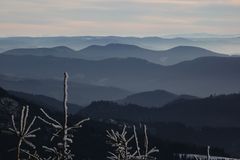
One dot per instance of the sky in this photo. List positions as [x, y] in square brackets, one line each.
[118, 17]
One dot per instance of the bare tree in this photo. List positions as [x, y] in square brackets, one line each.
[208, 152]
[146, 155]
[62, 151]
[122, 150]
[120, 143]
[24, 132]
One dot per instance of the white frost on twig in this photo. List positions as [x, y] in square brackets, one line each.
[62, 129]
[24, 131]
[122, 150]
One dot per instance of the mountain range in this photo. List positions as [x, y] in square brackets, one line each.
[96, 52]
[81, 94]
[185, 89]
[228, 45]
[156, 98]
[42, 90]
[213, 111]
[92, 136]
[199, 77]
[47, 102]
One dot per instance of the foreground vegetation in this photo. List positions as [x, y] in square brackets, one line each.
[64, 132]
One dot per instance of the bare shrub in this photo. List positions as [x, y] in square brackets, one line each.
[122, 149]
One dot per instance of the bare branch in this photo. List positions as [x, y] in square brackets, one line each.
[136, 141]
[62, 151]
[22, 133]
[122, 150]
[50, 118]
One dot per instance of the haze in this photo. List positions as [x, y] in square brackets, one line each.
[118, 17]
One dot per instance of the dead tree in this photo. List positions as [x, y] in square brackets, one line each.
[208, 152]
[62, 151]
[23, 132]
[122, 149]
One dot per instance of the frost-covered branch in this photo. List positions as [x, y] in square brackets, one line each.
[120, 143]
[122, 150]
[65, 126]
[33, 156]
[56, 154]
[208, 152]
[146, 144]
[62, 151]
[24, 131]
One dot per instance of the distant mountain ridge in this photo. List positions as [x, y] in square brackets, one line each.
[228, 45]
[96, 52]
[213, 111]
[59, 51]
[81, 94]
[199, 77]
[55, 105]
[93, 135]
[167, 57]
[156, 98]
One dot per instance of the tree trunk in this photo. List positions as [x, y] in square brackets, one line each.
[19, 148]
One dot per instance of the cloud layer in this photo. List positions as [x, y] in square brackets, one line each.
[118, 17]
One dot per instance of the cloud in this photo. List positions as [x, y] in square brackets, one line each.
[189, 2]
[118, 17]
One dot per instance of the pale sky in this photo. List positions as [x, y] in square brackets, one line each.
[118, 17]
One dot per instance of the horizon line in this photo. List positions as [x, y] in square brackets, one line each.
[167, 36]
